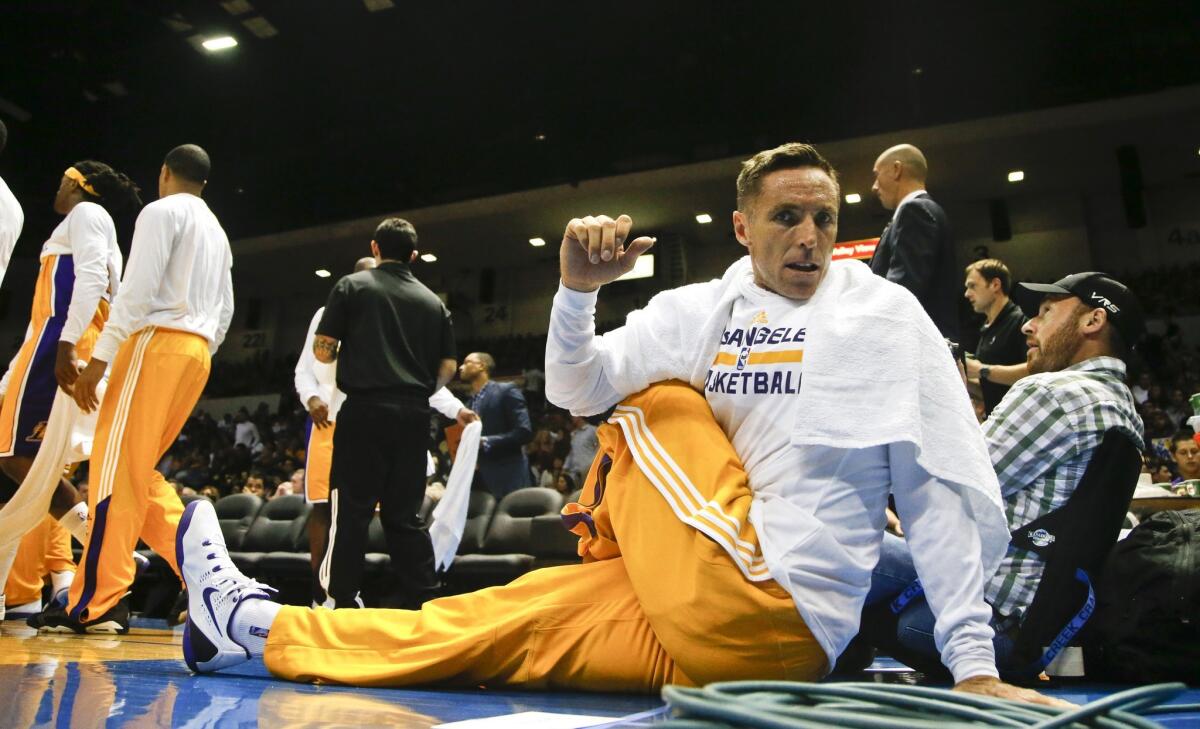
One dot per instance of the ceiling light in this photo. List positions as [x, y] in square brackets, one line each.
[377, 5]
[537, 242]
[703, 218]
[539, 137]
[853, 198]
[260, 27]
[237, 7]
[322, 273]
[1016, 175]
[428, 257]
[220, 43]
[643, 267]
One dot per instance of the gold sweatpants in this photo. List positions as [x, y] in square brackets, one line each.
[155, 382]
[656, 600]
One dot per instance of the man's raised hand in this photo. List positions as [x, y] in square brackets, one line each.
[594, 252]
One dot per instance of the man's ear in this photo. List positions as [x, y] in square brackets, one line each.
[741, 228]
[413, 257]
[1094, 321]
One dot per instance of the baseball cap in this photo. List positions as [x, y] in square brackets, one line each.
[1100, 291]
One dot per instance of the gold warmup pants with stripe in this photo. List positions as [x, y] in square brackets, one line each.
[671, 589]
[32, 384]
[45, 549]
[318, 460]
[154, 383]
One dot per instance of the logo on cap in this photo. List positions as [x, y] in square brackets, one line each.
[1106, 303]
[1041, 538]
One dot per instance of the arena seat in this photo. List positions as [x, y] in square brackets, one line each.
[277, 528]
[552, 543]
[235, 513]
[480, 510]
[507, 549]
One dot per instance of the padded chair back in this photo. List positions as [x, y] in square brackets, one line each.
[235, 513]
[278, 526]
[510, 530]
[1083, 533]
[479, 517]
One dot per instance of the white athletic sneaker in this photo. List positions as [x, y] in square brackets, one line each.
[21, 612]
[216, 589]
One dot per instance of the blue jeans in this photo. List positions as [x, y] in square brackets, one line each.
[914, 630]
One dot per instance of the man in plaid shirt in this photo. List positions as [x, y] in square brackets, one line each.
[1041, 438]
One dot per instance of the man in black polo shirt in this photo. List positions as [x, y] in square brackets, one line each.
[396, 349]
[1001, 341]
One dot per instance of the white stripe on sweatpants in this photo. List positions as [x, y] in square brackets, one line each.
[116, 433]
[327, 560]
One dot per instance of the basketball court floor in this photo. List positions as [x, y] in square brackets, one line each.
[140, 680]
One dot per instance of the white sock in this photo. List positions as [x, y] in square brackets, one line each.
[252, 624]
[61, 581]
[75, 521]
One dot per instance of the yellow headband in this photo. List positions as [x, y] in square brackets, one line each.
[76, 175]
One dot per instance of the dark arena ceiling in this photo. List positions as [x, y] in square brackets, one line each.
[328, 110]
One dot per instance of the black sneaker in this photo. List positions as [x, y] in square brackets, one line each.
[178, 614]
[56, 620]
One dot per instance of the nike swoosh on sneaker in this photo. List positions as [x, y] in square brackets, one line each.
[208, 591]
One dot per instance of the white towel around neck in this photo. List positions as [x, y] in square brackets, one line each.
[876, 371]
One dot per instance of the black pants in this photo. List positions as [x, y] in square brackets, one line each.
[379, 457]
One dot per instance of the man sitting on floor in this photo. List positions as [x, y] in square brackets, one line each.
[725, 535]
[1041, 437]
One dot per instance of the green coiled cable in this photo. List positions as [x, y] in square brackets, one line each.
[791, 705]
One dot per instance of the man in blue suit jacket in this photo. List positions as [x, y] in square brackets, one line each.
[503, 467]
[916, 249]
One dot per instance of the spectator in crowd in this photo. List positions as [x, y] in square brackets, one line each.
[254, 485]
[211, 493]
[245, 431]
[916, 249]
[1040, 438]
[1001, 341]
[1141, 391]
[1185, 450]
[502, 465]
[584, 445]
[1177, 408]
[535, 383]
[566, 484]
[541, 455]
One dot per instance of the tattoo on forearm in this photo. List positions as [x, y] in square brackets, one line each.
[325, 349]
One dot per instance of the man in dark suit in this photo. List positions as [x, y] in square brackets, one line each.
[916, 249]
[503, 467]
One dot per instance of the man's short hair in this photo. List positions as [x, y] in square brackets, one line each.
[3, 135]
[396, 238]
[993, 268]
[488, 362]
[1186, 435]
[190, 162]
[790, 156]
